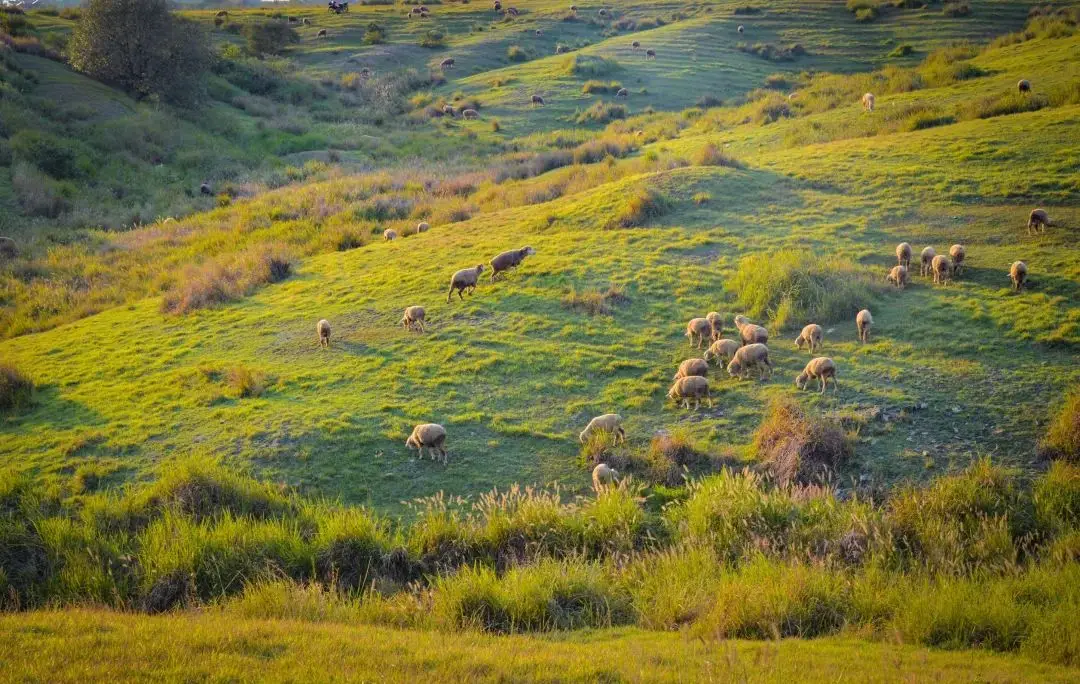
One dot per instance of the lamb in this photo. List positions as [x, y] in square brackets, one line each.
[868, 102]
[622, 92]
[958, 254]
[447, 63]
[822, 368]
[903, 255]
[694, 387]
[1024, 86]
[925, 260]
[430, 436]
[465, 279]
[509, 259]
[811, 336]
[722, 349]
[323, 329]
[1018, 274]
[863, 322]
[470, 114]
[1038, 220]
[609, 423]
[898, 276]
[650, 54]
[748, 357]
[423, 227]
[603, 476]
[699, 328]
[538, 100]
[691, 367]
[321, 34]
[717, 322]
[389, 234]
[414, 319]
[750, 333]
[942, 268]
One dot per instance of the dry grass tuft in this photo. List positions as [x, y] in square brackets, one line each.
[799, 448]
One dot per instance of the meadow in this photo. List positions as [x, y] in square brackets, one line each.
[175, 440]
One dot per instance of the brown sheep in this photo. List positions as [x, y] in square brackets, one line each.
[1018, 274]
[8, 248]
[863, 323]
[603, 476]
[750, 333]
[538, 100]
[698, 328]
[321, 34]
[650, 54]
[389, 234]
[465, 279]
[1038, 220]
[925, 261]
[811, 336]
[694, 387]
[868, 102]
[423, 227]
[722, 349]
[717, 323]
[622, 92]
[942, 268]
[323, 329]
[903, 255]
[749, 357]
[1024, 86]
[430, 436]
[508, 260]
[470, 114]
[898, 276]
[414, 319]
[958, 253]
[447, 63]
[822, 368]
[692, 367]
[610, 423]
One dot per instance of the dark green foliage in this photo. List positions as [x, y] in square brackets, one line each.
[269, 37]
[374, 34]
[45, 151]
[16, 390]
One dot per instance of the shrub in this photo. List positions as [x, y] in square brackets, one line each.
[643, 206]
[45, 151]
[228, 279]
[1062, 439]
[350, 546]
[866, 14]
[1001, 105]
[902, 50]
[1056, 497]
[956, 9]
[16, 389]
[924, 120]
[701, 198]
[594, 302]
[769, 51]
[799, 448]
[433, 39]
[593, 86]
[515, 53]
[374, 34]
[602, 112]
[711, 155]
[244, 382]
[589, 66]
[269, 37]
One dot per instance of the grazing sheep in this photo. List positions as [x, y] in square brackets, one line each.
[1024, 86]
[958, 254]
[448, 109]
[470, 114]
[694, 387]
[430, 436]
[423, 227]
[539, 33]
[622, 92]
[222, 13]
[692, 367]
[603, 476]
[538, 100]
[717, 322]
[863, 322]
[414, 319]
[749, 357]
[722, 349]
[903, 255]
[650, 54]
[1018, 274]
[868, 102]
[811, 336]
[942, 268]
[822, 368]
[898, 276]
[573, 8]
[925, 261]
[740, 29]
[699, 328]
[389, 234]
[609, 423]
[508, 260]
[323, 329]
[602, 12]
[447, 63]
[750, 333]
[635, 45]
[561, 49]
[205, 188]
[321, 34]
[1038, 220]
[465, 279]
[8, 248]
[497, 6]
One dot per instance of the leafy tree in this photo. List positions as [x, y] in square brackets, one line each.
[140, 46]
[269, 38]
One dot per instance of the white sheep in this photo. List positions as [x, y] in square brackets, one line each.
[868, 102]
[822, 368]
[603, 476]
[903, 255]
[722, 349]
[958, 253]
[811, 337]
[749, 357]
[430, 436]
[750, 333]
[463, 280]
[389, 234]
[694, 387]
[1018, 274]
[423, 227]
[699, 329]
[717, 323]
[323, 329]
[863, 322]
[608, 423]
[414, 318]
[898, 276]
[691, 367]
[926, 258]
[942, 269]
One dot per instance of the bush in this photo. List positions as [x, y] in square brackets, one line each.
[643, 206]
[602, 87]
[594, 302]
[1062, 439]
[1056, 497]
[16, 389]
[924, 120]
[798, 448]
[602, 112]
[433, 39]
[769, 51]
[245, 383]
[589, 66]
[228, 279]
[711, 155]
[46, 152]
[1004, 104]
[866, 14]
[701, 198]
[956, 9]
[902, 50]
[374, 34]
[515, 53]
[269, 38]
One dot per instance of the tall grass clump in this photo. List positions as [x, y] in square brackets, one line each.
[795, 287]
[1004, 104]
[595, 302]
[16, 388]
[228, 279]
[589, 66]
[602, 112]
[797, 447]
[1056, 498]
[1062, 439]
[646, 204]
[711, 155]
[352, 548]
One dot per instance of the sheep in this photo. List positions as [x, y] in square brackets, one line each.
[539, 33]
[692, 367]
[448, 110]
[389, 234]
[470, 114]
[414, 319]
[925, 260]
[465, 279]
[811, 336]
[863, 322]
[603, 476]
[205, 188]
[1038, 220]
[942, 268]
[512, 11]
[602, 12]
[323, 329]
[430, 436]
[508, 260]
[868, 102]
[898, 276]
[722, 349]
[321, 34]
[222, 13]
[717, 323]
[538, 100]
[1018, 274]
[748, 357]
[561, 49]
[622, 92]
[750, 333]
[958, 254]
[903, 255]
[650, 54]
[694, 387]
[447, 63]
[822, 368]
[573, 8]
[8, 248]
[740, 29]
[1024, 86]
[608, 423]
[699, 328]
[635, 45]
[423, 227]
[497, 6]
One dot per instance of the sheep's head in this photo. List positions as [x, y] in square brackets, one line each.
[412, 442]
[583, 435]
[673, 393]
[740, 321]
[734, 368]
[479, 269]
[800, 381]
[800, 341]
[709, 354]
[527, 251]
